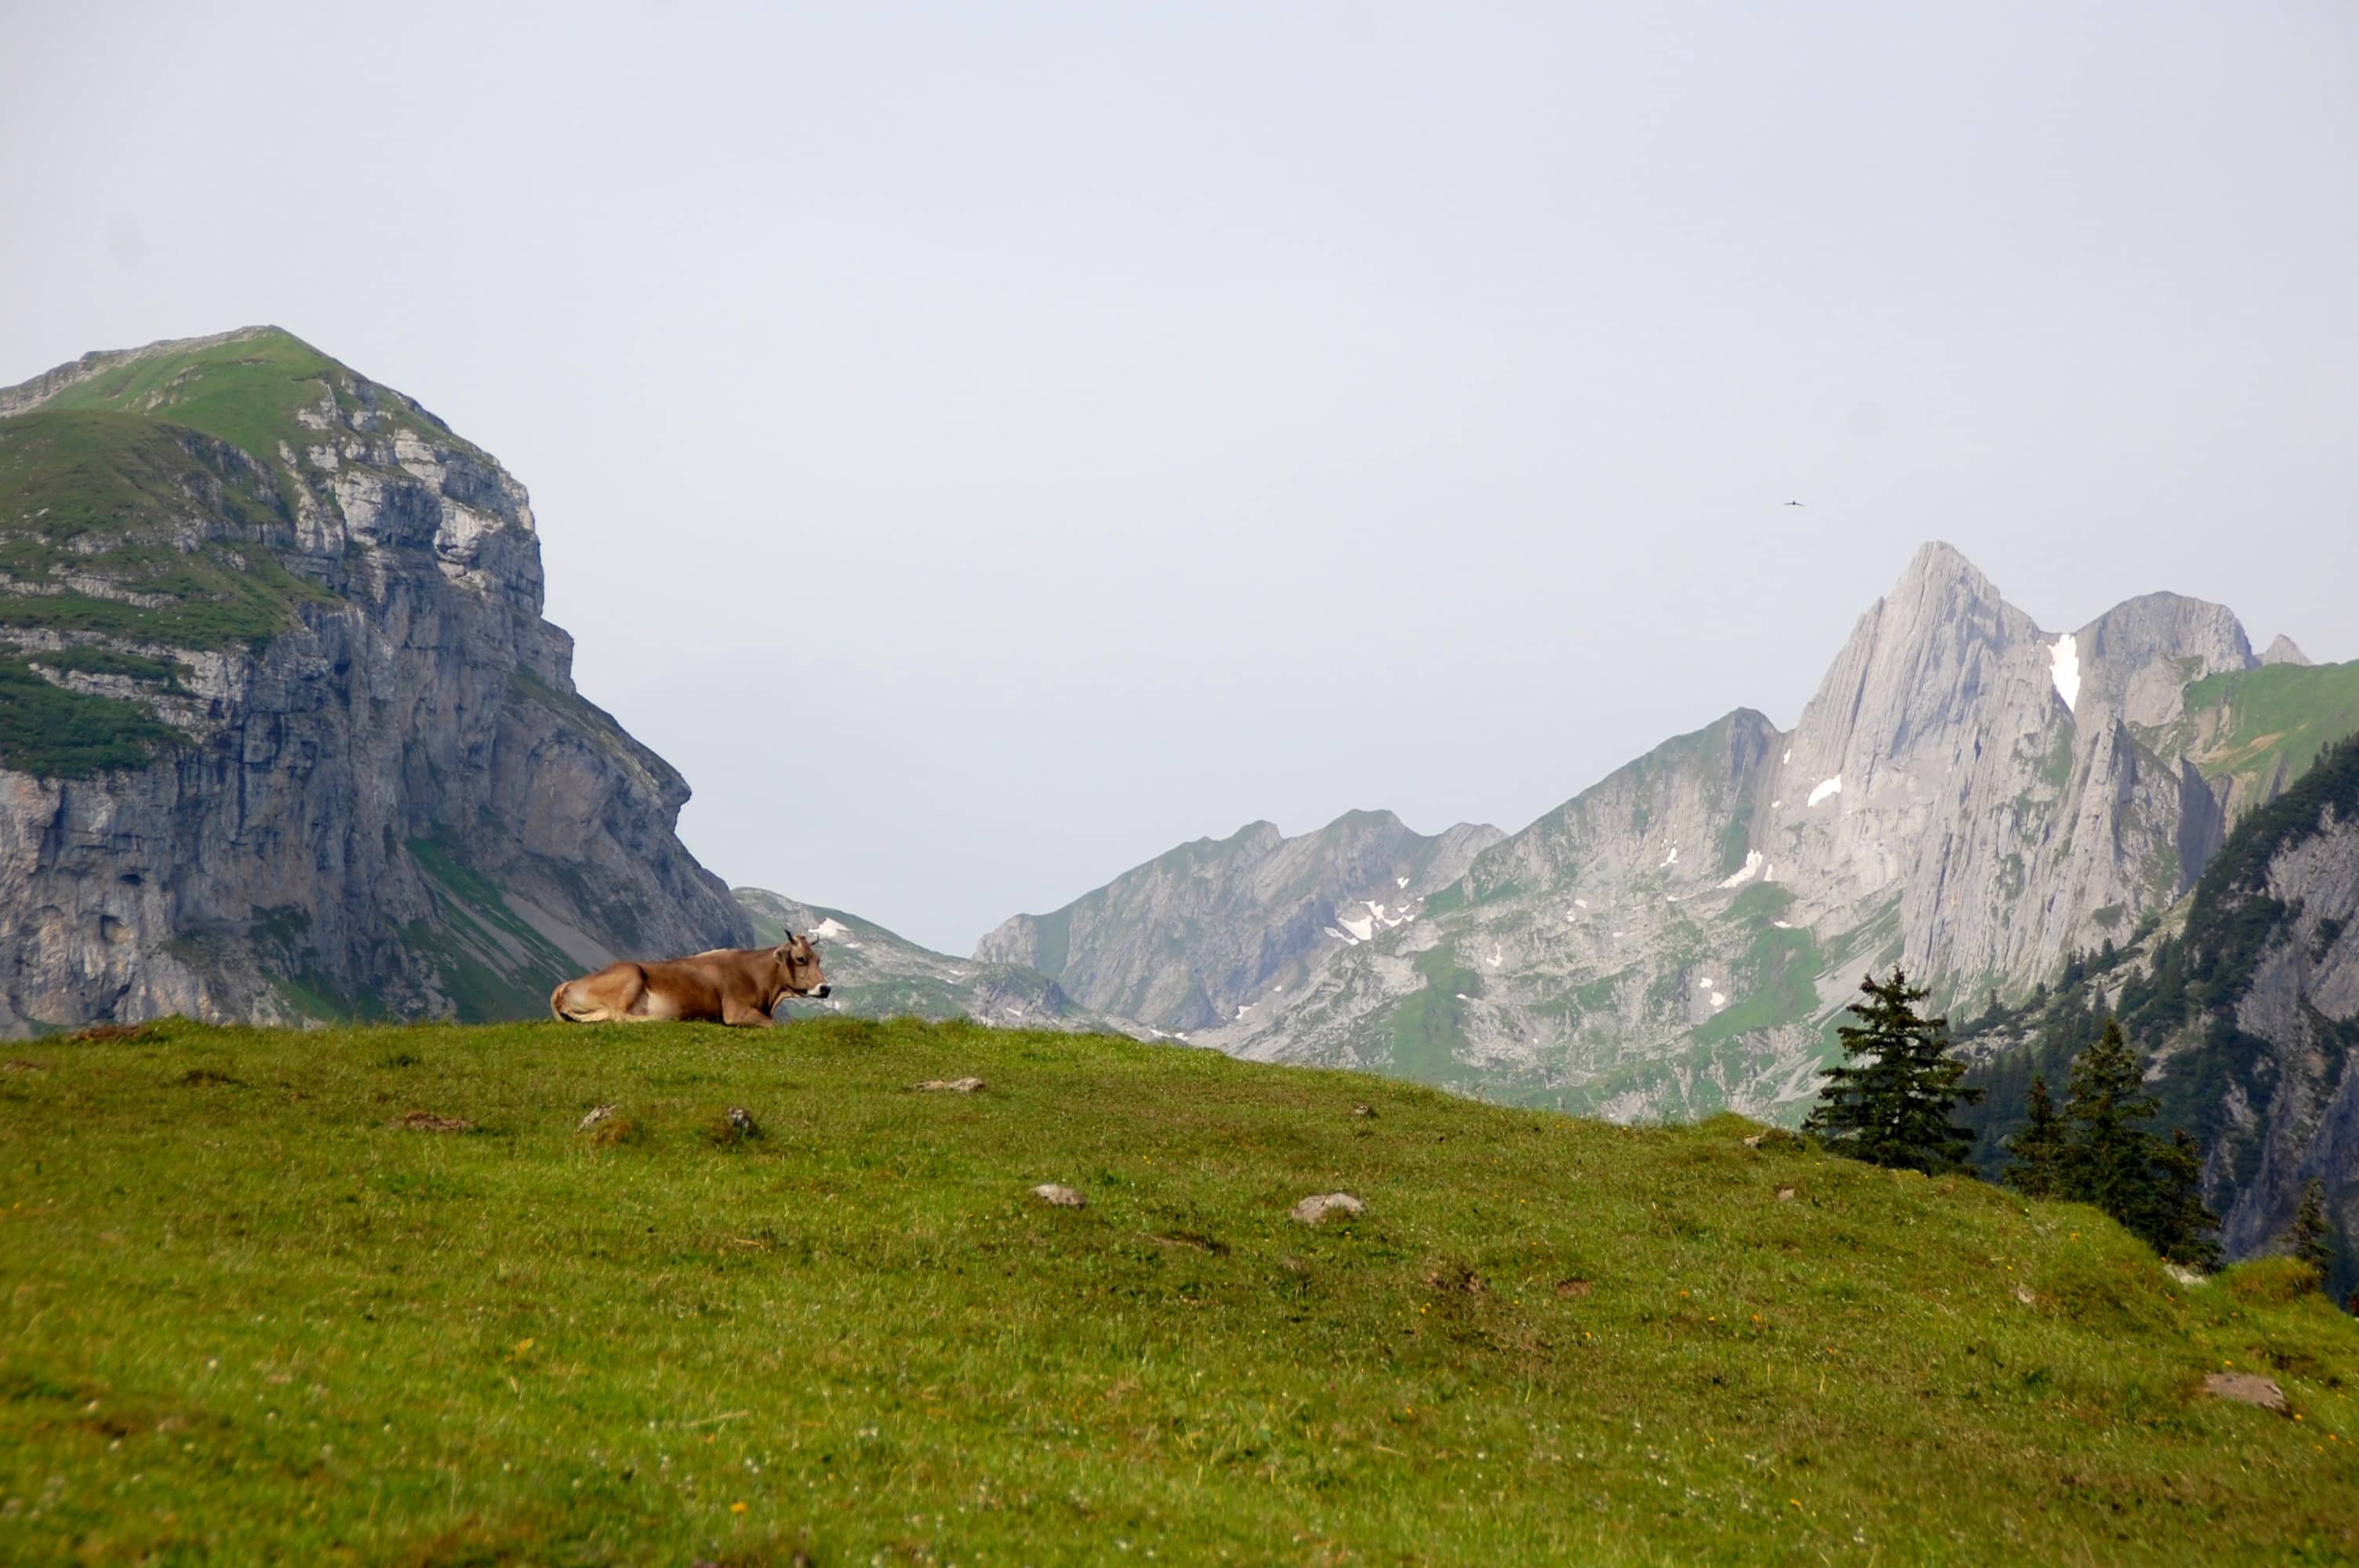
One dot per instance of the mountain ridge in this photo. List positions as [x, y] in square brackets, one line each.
[1965, 793]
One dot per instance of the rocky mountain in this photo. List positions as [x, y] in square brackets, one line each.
[875, 973]
[282, 734]
[1205, 934]
[1966, 793]
[2244, 1003]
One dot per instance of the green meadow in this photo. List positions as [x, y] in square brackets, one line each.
[374, 1295]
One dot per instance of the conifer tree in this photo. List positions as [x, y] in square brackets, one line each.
[2109, 1160]
[2038, 1149]
[2307, 1239]
[1889, 1103]
[2152, 1185]
[2178, 1222]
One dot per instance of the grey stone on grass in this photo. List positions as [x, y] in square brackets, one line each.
[2247, 1389]
[1314, 1209]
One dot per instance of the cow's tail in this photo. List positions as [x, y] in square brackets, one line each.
[557, 1004]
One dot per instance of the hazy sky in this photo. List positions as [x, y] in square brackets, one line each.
[1087, 428]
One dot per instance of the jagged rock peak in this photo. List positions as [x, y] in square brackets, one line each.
[1914, 664]
[2284, 651]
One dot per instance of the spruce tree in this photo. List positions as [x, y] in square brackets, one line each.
[2038, 1149]
[2152, 1185]
[2307, 1239]
[1889, 1103]
[2109, 1159]
[2176, 1221]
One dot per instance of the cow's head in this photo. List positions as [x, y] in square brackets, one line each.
[798, 970]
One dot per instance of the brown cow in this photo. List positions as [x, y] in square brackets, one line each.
[728, 985]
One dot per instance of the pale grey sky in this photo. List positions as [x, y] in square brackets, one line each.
[1136, 420]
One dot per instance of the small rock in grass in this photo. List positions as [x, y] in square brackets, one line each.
[733, 1128]
[2184, 1276]
[950, 1085]
[1570, 1287]
[2247, 1389]
[1057, 1195]
[1785, 1194]
[597, 1114]
[1367, 1110]
[1314, 1209]
[427, 1122]
[2023, 1294]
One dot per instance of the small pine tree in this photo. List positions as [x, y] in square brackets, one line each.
[1889, 1103]
[2175, 1221]
[2154, 1186]
[2307, 1238]
[2109, 1160]
[2038, 1149]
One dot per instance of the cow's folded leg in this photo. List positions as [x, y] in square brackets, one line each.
[743, 1017]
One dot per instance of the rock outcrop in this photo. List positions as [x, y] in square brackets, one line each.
[290, 736]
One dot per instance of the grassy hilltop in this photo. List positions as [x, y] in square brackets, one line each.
[246, 1313]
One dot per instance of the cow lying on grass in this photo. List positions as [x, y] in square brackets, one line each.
[728, 985]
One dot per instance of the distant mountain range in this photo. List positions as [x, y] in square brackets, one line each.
[1987, 803]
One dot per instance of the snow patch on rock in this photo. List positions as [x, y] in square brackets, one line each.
[1753, 864]
[1829, 786]
[2064, 668]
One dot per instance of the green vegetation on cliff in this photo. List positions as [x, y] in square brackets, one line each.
[360, 1338]
[119, 527]
[2264, 727]
[52, 733]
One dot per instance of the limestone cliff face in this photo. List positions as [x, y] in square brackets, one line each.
[2296, 1034]
[1991, 776]
[377, 790]
[2244, 1004]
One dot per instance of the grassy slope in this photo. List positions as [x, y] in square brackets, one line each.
[243, 1316]
[2269, 724]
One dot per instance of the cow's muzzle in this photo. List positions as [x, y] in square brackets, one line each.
[821, 993]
